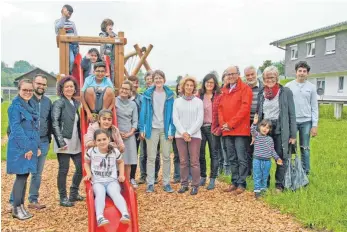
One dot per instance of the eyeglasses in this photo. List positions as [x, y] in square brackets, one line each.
[125, 89]
[210, 82]
[231, 74]
[41, 84]
[269, 78]
[27, 90]
[99, 71]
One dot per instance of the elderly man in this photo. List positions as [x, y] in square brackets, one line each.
[233, 114]
[256, 85]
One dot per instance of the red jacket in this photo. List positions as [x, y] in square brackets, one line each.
[235, 108]
[215, 128]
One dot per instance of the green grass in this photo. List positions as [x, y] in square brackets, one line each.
[322, 205]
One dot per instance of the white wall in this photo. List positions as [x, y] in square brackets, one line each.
[332, 85]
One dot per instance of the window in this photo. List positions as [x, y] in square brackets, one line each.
[294, 52]
[321, 83]
[341, 80]
[330, 45]
[310, 48]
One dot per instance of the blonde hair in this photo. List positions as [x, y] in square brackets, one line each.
[185, 80]
[273, 70]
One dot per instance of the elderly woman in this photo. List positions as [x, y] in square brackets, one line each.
[276, 103]
[209, 91]
[188, 116]
[67, 143]
[127, 117]
[23, 145]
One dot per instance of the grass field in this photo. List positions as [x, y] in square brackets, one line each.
[322, 205]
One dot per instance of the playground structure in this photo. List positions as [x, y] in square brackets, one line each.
[120, 73]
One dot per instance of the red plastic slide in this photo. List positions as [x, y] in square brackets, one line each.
[111, 212]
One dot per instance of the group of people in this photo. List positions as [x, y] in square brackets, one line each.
[244, 123]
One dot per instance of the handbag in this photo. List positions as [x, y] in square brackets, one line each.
[295, 176]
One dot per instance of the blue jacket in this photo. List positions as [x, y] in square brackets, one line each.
[44, 106]
[24, 137]
[146, 115]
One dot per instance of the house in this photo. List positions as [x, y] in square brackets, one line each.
[325, 50]
[51, 80]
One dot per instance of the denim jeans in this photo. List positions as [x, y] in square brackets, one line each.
[207, 137]
[250, 150]
[113, 191]
[73, 50]
[36, 177]
[236, 147]
[217, 149]
[304, 129]
[226, 155]
[64, 164]
[261, 172]
[143, 160]
[158, 136]
[176, 160]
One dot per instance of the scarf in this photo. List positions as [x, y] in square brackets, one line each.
[270, 93]
[188, 98]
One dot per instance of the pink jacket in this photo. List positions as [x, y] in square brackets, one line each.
[94, 126]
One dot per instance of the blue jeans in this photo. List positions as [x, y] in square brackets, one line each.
[304, 129]
[261, 172]
[177, 175]
[73, 50]
[226, 155]
[217, 148]
[36, 177]
[207, 138]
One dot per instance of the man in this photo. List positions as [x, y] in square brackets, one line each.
[306, 109]
[43, 105]
[256, 85]
[149, 79]
[97, 92]
[70, 29]
[233, 114]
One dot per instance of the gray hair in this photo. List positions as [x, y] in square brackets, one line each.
[250, 67]
[234, 66]
[271, 69]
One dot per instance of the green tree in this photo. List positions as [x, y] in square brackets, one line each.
[178, 79]
[280, 66]
[22, 66]
[7, 79]
[5, 68]
[141, 75]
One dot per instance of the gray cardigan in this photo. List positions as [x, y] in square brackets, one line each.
[287, 118]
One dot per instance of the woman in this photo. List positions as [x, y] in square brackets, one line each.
[127, 121]
[67, 143]
[156, 125]
[276, 103]
[23, 145]
[105, 119]
[208, 92]
[188, 115]
[87, 64]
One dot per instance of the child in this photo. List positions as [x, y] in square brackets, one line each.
[97, 92]
[263, 151]
[70, 29]
[101, 168]
[108, 49]
[88, 62]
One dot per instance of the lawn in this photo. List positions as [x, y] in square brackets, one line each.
[323, 204]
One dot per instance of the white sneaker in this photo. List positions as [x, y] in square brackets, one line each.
[133, 183]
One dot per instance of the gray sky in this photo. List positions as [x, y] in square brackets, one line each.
[189, 37]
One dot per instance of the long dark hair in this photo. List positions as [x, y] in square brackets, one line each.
[60, 85]
[103, 131]
[96, 51]
[216, 88]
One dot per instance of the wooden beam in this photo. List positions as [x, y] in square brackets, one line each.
[90, 39]
[119, 63]
[61, 32]
[139, 53]
[143, 58]
[63, 58]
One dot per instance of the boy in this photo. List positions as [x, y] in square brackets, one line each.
[70, 30]
[97, 92]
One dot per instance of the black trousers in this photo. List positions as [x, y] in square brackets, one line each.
[207, 138]
[19, 189]
[134, 166]
[64, 163]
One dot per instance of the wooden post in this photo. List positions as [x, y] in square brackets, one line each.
[143, 58]
[139, 53]
[119, 63]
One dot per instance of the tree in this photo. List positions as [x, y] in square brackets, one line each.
[141, 75]
[178, 79]
[22, 66]
[266, 64]
[5, 68]
[280, 66]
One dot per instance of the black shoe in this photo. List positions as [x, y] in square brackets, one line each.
[66, 202]
[76, 198]
[183, 189]
[194, 191]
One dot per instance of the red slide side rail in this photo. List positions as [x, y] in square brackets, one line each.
[111, 212]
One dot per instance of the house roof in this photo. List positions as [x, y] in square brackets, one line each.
[311, 34]
[34, 70]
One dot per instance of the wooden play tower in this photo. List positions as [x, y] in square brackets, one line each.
[120, 72]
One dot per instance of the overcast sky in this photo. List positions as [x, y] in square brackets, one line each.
[189, 37]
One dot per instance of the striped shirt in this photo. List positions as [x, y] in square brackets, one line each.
[68, 26]
[263, 145]
[255, 91]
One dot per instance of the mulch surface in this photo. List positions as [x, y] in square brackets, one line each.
[208, 211]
